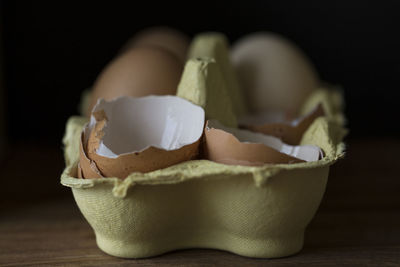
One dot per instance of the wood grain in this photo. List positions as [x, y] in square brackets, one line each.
[358, 223]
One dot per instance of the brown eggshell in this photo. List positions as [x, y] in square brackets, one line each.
[139, 72]
[150, 159]
[79, 170]
[88, 167]
[97, 133]
[170, 39]
[223, 147]
[287, 133]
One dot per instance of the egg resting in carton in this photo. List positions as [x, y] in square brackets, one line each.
[255, 211]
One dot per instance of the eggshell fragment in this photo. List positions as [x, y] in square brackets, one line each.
[273, 72]
[143, 134]
[79, 171]
[167, 38]
[240, 147]
[96, 133]
[88, 168]
[139, 72]
[288, 132]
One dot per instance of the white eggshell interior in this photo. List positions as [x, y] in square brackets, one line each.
[135, 124]
[305, 152]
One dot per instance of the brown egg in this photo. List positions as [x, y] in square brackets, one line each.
[170, 39]
[139, 72]
[274, 73]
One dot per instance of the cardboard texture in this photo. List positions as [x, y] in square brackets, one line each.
[254, 211]
[203, 84]
[215, 45]
[332, 103]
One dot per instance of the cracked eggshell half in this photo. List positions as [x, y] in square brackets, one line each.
[273, 72]
[141, 71]
[241, 147]
[289, 132]
[143, 134]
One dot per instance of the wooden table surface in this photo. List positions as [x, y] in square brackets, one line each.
[358, 223]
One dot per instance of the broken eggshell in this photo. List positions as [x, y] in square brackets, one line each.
[88, 168]
[277, 125]
[79, 174]
[241, 147]
[143, 134]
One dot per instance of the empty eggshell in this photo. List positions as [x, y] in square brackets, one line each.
[167, 38]
[241, 147]
[139, 72]
[128, 134]
[273, 72]
[289, 132]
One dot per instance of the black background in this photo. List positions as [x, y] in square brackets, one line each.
[54, 50]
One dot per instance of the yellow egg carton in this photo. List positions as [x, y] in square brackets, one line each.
[251, 211]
